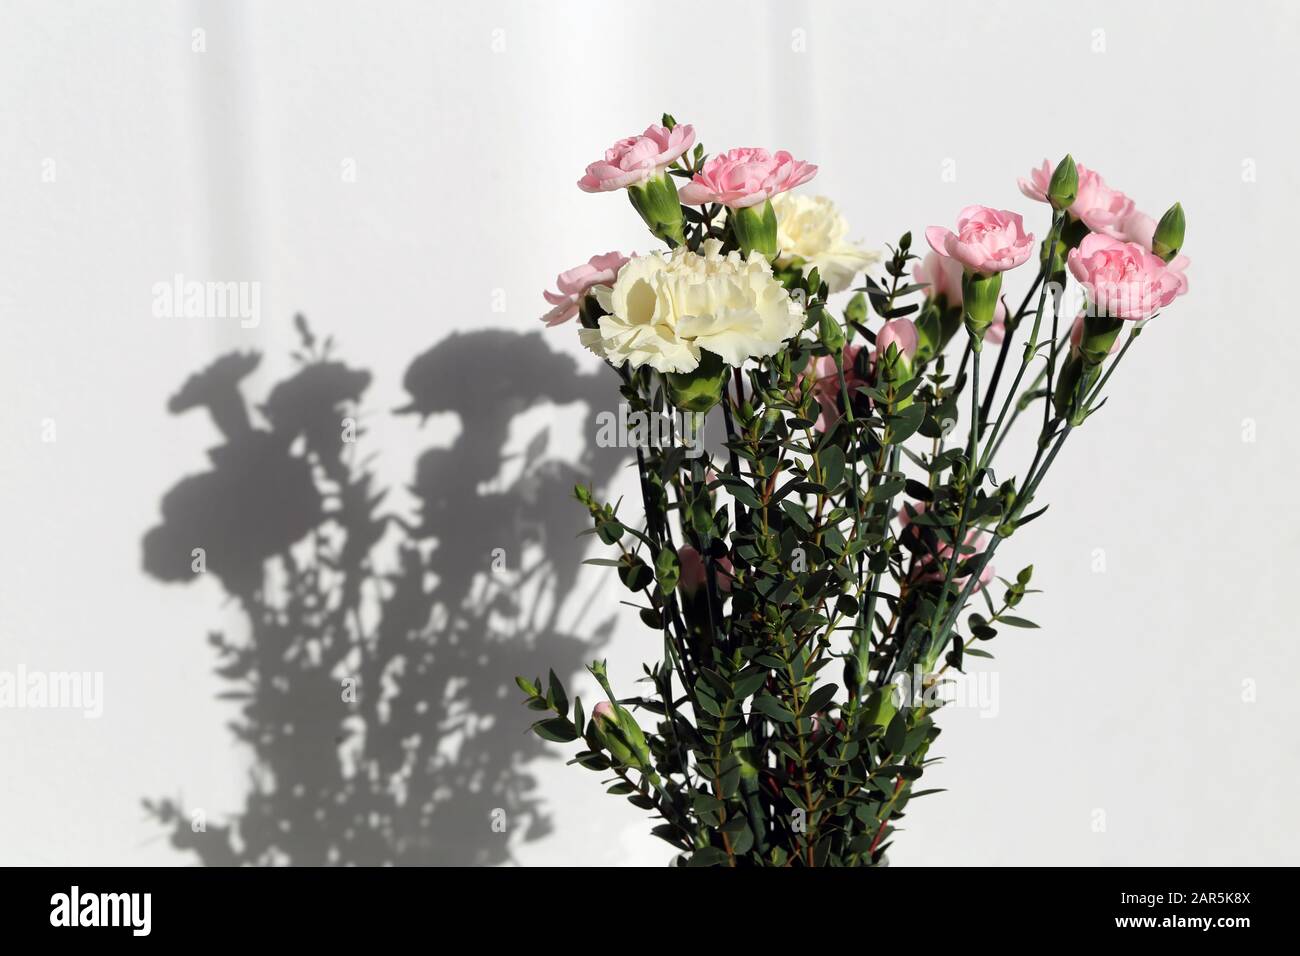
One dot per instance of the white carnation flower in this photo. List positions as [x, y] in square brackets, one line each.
[812, 229]
[664, 308]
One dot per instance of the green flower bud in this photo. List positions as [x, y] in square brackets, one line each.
[701, 389]
[980, 301]
[755, 229]
[1168, 239]
[830, 332]
[1064, 185]
[617, 731]
[656, 202]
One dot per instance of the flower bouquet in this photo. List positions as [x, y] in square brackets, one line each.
[820, 578]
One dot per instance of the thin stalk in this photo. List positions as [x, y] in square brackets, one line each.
[1031, 348]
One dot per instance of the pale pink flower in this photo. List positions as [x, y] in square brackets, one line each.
[745, 177]
[603, 711]
[637, 158]
[1138, 227]
[1101, 208]
[1124, 280]
[694, 575]
[942, 275]
[1036, 186]
[899, 332]
[986, 241]
[573, 285]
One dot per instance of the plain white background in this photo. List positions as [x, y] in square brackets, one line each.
[1158, 698]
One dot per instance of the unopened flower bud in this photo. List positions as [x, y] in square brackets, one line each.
[1064, 186]
[830, 332]
[1168, 238]
[620, 734]
[896, 345]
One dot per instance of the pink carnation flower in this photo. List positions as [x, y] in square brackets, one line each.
[573, 285]
[986, 241]
[637, 158]
[1123, 279]
[745, 177]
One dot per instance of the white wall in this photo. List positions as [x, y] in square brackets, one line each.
[226, 164]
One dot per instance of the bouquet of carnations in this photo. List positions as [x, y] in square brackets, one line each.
[821, 576]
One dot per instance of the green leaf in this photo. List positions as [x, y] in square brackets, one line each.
[904, 424]
[832, 463]
[918, 490]
[708, 703]
[667, 570]
[770, 707]
[636, 574]
[797, 514]
[1016, 621]
[741, 491]
[748, 682]
[609, 531]
[557, 729]
[818, 699]
[886, 490]
[896, 733]
[556, 696]
[707, 856]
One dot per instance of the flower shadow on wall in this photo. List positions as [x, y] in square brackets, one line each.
[375, 681]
